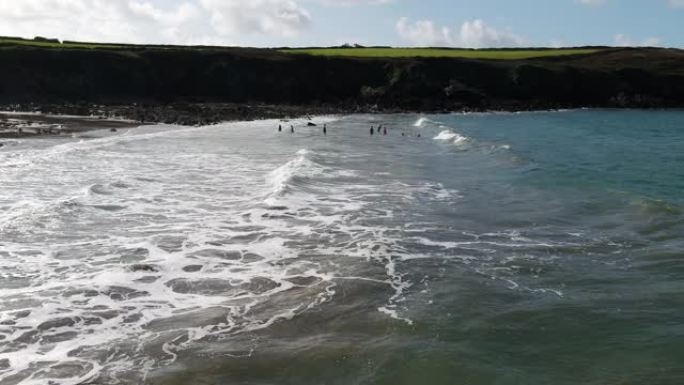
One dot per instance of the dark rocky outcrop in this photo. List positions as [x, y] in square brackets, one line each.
[203, 85]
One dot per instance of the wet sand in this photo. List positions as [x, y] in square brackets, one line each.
[15, 125]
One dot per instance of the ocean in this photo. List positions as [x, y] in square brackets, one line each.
[484, 248]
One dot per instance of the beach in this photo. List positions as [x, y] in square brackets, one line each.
[15, 125]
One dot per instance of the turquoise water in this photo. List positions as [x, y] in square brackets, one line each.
[631, 152]
[480, 249]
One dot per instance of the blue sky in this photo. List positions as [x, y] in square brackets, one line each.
[467, 23]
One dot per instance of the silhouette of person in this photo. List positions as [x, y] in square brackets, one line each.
[384, 130]
[371, 130]
[292, 129]
[280, 128]
[325, 129]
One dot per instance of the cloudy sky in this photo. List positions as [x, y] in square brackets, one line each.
[273, 23]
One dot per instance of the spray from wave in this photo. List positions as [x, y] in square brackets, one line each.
[423, 121]
[451, 137]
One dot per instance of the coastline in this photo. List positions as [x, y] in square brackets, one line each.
[15, 124]
[34, 119]
[184, 114]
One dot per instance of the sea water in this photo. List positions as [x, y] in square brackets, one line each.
[532, 248]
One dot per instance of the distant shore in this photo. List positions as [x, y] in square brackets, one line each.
[40, 120]
[35, 119]
[31, 120]
[14, 125]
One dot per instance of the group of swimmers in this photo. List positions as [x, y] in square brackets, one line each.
[384, 130]
[325, 130]
[280, 129]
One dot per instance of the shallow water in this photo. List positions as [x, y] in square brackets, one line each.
[535, 248]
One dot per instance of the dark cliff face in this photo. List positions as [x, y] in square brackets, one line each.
[613, 78]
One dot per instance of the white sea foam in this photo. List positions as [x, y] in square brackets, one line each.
[456, 139]
[119, 253]
[446, 135]
[423, 121]
[213, 249]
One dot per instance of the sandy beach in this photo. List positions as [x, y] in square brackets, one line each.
[15, 125]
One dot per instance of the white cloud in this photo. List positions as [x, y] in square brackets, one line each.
[557, 43]
[271, 17]
[355, 2]
[180, 15]
[593, 3]
[621, 40]
[423, 33]
[471, 34]
[141, 21]
[477, 34]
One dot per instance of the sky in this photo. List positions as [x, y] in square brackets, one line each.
[302, 23]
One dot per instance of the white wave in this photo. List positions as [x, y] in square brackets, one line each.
[446, 135]
[423, 121]
[32, 156]
[281, 179]
[220, 233]
[420, 122]
[452, 137]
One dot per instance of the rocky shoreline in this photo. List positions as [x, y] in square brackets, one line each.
[15, 116]
[37, 118]
[52, 119]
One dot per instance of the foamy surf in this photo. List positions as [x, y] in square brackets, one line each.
[423, 121]
[132, 257]
[451, 137]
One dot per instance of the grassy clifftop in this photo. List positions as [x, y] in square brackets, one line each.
[358, 52]
[494, 54]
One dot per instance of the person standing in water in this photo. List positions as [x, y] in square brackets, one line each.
[371, 131]
[384, 130]
[325, 129]
[280, 128]
[292, 129]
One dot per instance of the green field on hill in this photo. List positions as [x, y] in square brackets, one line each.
[48, 43]
[375, 52]
[502, 54]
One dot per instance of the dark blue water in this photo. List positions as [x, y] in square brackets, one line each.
[481, 249]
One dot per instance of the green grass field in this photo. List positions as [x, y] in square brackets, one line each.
[504, 54]
[500, 54]
[8, 41]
